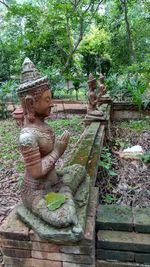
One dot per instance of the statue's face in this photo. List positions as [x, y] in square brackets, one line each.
[42, 107]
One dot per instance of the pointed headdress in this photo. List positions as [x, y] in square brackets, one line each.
[30, 78]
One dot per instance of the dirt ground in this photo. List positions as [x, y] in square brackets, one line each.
[130, 184]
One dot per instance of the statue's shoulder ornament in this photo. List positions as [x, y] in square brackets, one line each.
[28, 137]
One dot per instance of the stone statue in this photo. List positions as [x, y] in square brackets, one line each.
[102, 87]
[41, 150]
[92, 108]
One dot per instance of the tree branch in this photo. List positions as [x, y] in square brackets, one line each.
[68, 31]
[2, 2]
[82, 28]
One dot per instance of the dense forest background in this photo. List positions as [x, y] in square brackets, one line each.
[68, 39]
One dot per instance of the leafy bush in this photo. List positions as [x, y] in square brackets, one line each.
[131, 85]
[8, 91]
[7, 94]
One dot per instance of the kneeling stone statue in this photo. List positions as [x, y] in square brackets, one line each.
[54, 197]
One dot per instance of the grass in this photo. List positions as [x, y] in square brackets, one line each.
[73, 125]
[136, 125]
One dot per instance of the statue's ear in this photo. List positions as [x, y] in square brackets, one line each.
[29, 101]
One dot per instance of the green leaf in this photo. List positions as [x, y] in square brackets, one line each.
[109, 199]
[54, 200]
[112, 173]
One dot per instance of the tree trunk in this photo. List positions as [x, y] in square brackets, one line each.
[129, 35]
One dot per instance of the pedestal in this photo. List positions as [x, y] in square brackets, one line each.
[21, 247]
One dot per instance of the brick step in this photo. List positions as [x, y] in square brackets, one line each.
[101, 263]
[128, 241]
[123, 246]
[123, 218]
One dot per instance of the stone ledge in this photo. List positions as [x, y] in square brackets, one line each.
[123, 218]
[126, 241]
[114, 217]
[103, 254]
[101, 263]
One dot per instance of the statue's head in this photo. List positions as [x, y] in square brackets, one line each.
[91, 82]
[34, 92]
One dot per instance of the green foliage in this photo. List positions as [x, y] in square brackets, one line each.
[136, 125]
[3, 110]
[130, 85]
[20, 167]
[146, 157]
[106, 162]
[8, 91]
[109, 199]
[7, 94]
[54, 200]
[49, 33]
[68, 40]
[94, 51]
[74, 125]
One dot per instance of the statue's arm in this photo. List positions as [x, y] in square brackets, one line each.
[37, 167]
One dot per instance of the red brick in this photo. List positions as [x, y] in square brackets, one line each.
[88, 259]
[50, 247]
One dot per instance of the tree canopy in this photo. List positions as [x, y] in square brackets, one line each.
[72, 38]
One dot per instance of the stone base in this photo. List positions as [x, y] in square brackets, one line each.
[123, 236]
[21, 247]
[101, 263]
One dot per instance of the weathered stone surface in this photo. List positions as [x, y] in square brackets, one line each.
[13, 228]
[7, 243]
[114, 217]
[12, 252]
[127, 111]
[66, 264]
[89, 235]
[142, 258]
[115, 255]
[24, 262]
[101, 263]
[87, 250]
[142, 220]
[92, 165]
[117, 240]
[63, 257]
[46, 231]
[93, 201]
[83, 153]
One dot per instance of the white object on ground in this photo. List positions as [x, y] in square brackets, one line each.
[131, 152]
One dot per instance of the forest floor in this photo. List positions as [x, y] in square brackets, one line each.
[11, 162]
[126, 181]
